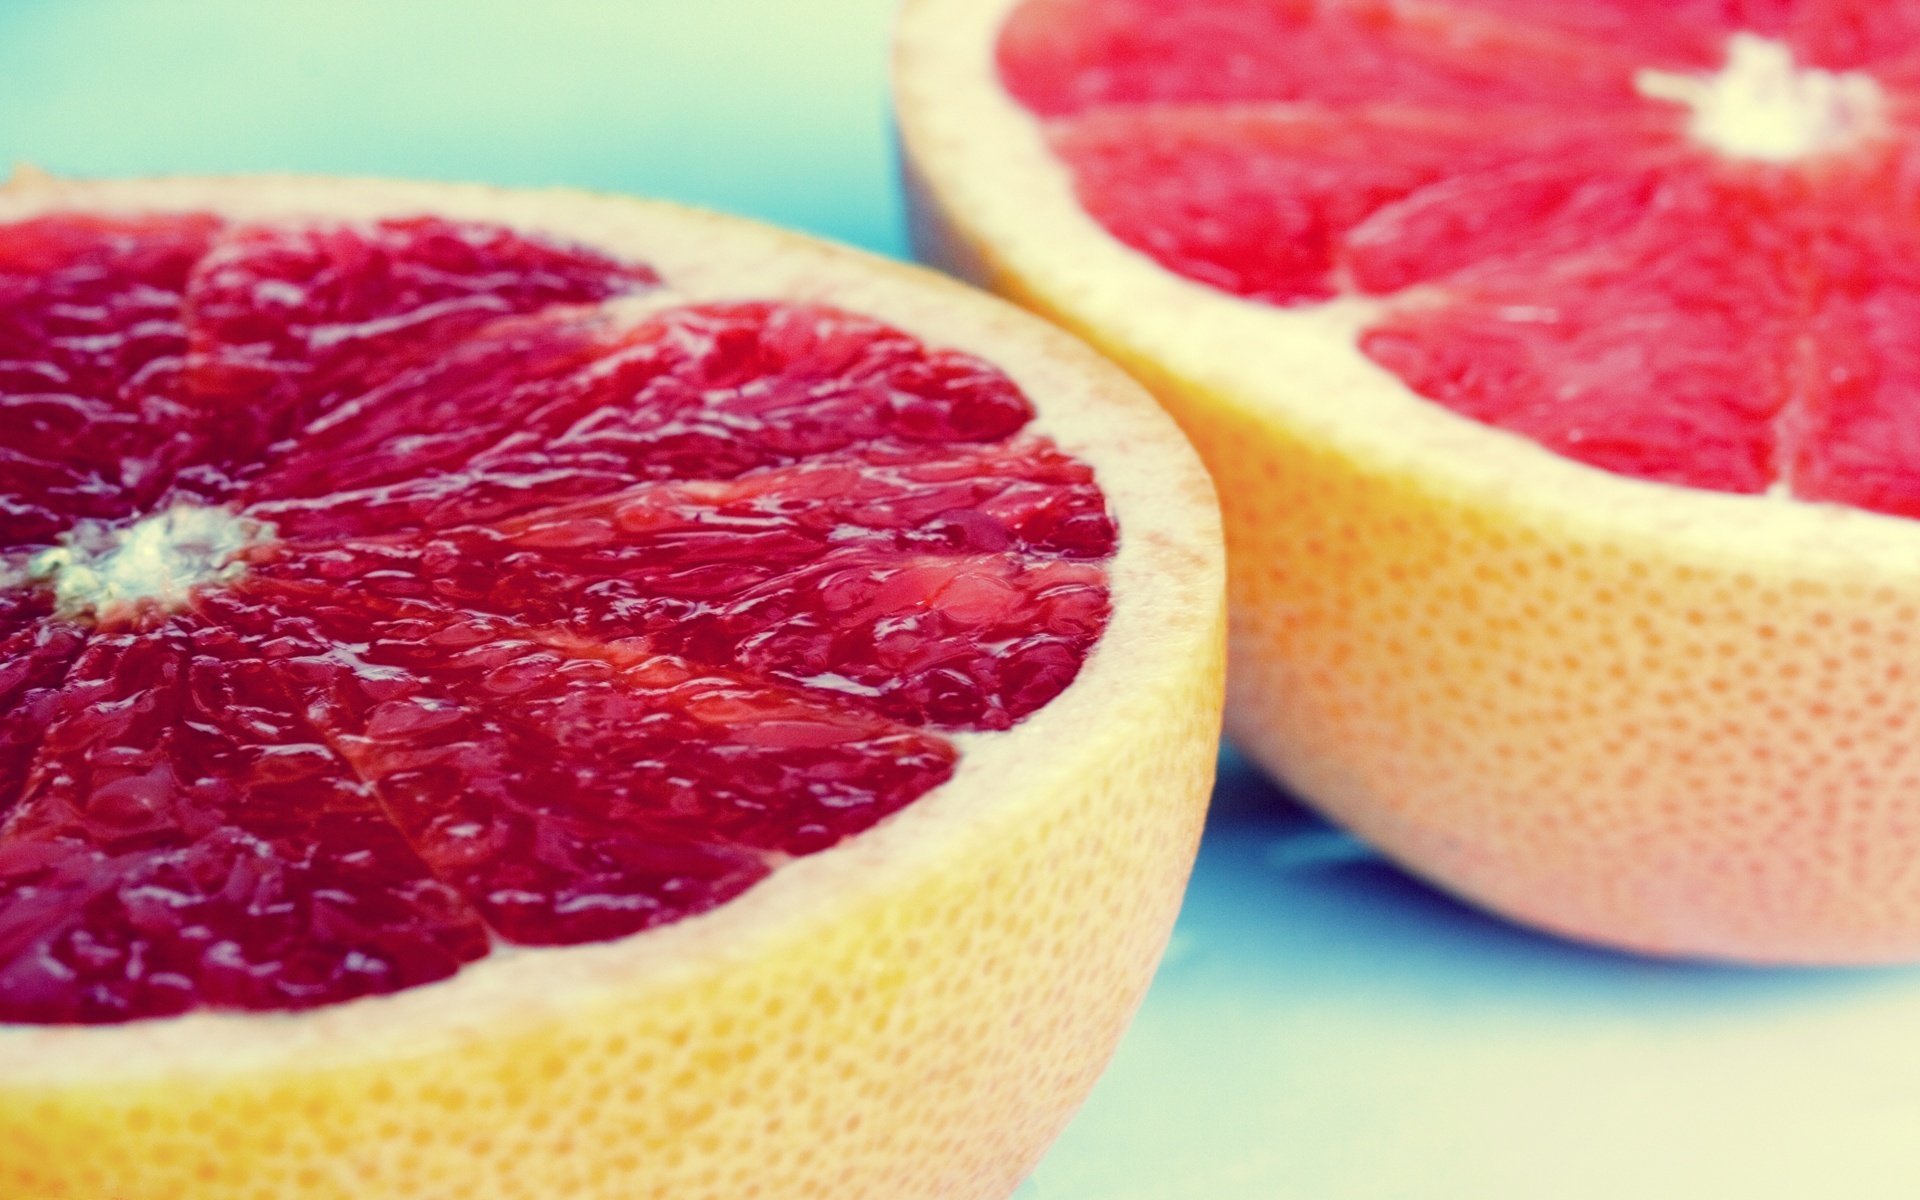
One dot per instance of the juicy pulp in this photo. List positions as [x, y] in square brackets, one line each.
[537, 623]
[1672, 241]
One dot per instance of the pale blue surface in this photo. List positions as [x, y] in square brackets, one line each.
[1323, 1028]
[775, 108]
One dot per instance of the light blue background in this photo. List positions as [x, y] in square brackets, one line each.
[1323, 1027]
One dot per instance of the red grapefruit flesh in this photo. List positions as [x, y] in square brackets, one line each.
[485, 662]
[1629, 275]
[91, 352]
[1553, 362]
[398, 599]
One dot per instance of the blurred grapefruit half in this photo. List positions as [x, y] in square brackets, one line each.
[531, 695]
[1555, 364]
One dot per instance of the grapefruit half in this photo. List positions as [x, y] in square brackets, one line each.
[519, 694]
[1555, 365]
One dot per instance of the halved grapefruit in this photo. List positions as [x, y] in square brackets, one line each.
[1555, 362]
[532, 695]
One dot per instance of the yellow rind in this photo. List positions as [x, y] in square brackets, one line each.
[1626, 746]
[914, 1014]
[927, 1043]
[1641, 715]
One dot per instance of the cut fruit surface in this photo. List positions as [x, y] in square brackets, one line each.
[91, 352]
[1657, 256]
[503, 644]
[444, 600]
[1556, 228]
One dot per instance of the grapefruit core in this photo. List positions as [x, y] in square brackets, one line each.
[1552, 362]
[527, 695]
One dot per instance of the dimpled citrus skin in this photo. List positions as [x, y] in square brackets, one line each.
[912, 1014]
[1594, 736]
[1627, 712]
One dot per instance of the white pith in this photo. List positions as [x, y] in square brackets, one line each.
[1762, 105]
[100, 567]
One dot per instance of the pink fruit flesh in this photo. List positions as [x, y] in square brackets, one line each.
[1558, 255]
[568, 625]
[92, 348]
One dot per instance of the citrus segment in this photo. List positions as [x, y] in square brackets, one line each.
[35, 652]
[467, 435]
[289, 320]
[92, 347]
[571, 792]
[1846, 34]
[970, 638]
[1066, 56]
[1663, 30]
[1860, 431]
[1298, 204]
[547, 412]
[1556, 346]
[1563, 426]
[188, 838]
